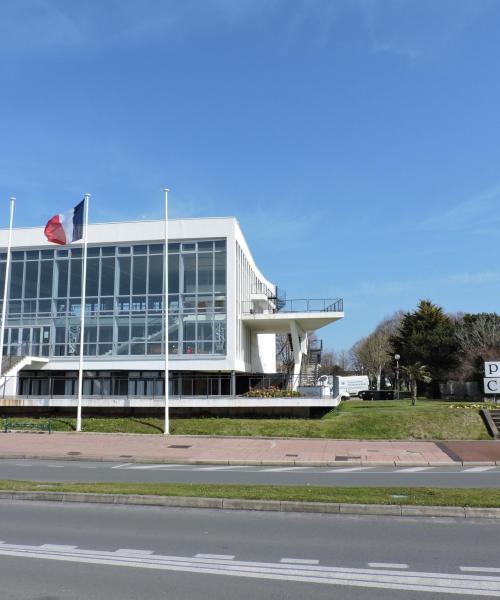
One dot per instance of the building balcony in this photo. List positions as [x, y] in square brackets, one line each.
[309, 314]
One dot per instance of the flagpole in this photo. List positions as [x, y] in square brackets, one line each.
[6, 286]
[86, 198]
[166, 428]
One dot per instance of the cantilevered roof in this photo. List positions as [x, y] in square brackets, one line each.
[279, 322]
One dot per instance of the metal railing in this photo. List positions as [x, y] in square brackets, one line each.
[12, 425]
[306, 305]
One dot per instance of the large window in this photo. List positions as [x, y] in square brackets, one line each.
[124, 302]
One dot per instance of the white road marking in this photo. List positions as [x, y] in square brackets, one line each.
[378, 565]
[413, 470]
[299, 561]
[349, 469]
[56, 466]
[128, 551]
[152, 467]
[316, 470]
[444, 583]
[480, 569]
[223, 468]
[478, 469]
[61, 547]
[280, 469]
[215, 556]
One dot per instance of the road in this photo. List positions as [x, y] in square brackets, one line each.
[69, 552]
[443, 476]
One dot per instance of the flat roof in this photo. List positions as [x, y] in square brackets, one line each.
[131, 221]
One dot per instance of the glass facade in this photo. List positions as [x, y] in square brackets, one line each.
[124, 303]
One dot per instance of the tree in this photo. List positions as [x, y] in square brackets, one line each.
[427, 336]
[354, 358]
[478, 332]
[415, 373]
[478, 337]
[284, 354]
[333, 363]
[343, 362]
[372, 354]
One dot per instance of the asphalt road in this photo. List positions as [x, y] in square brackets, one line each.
[444, 476]
[91, 552]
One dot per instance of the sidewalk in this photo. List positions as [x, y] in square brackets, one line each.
[219, 450]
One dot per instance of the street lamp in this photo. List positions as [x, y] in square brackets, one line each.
[396, 358]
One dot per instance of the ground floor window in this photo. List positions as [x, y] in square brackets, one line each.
[148, 384]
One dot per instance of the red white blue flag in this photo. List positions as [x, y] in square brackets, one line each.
[66, 227]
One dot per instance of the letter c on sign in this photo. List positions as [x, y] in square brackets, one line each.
[492, 385]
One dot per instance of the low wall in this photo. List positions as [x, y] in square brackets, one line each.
[175, 413]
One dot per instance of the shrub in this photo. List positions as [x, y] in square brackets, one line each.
[271, 392]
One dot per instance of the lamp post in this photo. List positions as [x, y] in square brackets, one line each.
[396, 358]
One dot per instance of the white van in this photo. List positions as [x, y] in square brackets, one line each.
[345, 387]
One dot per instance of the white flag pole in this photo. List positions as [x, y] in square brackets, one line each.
[86, 199]
[6, 286]
[166, 428]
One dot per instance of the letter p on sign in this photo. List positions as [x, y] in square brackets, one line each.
[492, 369]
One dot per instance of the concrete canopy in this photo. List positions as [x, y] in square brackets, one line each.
[280, 322]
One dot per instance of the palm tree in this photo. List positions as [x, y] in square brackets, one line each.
[415, 373]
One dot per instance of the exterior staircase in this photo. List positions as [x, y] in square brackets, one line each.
[10, 362]
[309, 371]
[11, 365]
[491, 419]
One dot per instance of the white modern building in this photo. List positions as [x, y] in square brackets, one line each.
[223, 315]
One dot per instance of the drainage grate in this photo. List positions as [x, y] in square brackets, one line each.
[178, 446]
[291, 454]
[348, 457]
[73, 453]
[125, 455]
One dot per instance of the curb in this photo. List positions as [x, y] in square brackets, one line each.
[244, 462]
[252, 437]
[395, 510]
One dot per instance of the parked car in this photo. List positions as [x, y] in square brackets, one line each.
[383, 395]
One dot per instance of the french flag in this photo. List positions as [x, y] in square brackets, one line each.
[66, 227]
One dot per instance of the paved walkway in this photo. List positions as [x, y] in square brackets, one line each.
[189, 449]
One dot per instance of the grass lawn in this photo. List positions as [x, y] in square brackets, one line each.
[400, 495]
[354, 419]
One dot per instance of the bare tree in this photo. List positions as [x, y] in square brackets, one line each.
[328, 363]
[477, 333]
[372, 354]
[478, 337]
[284, 354]
[355, 359]
[390, 325]
[343, 361]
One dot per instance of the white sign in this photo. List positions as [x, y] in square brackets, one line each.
[492, 385]
[492, 369]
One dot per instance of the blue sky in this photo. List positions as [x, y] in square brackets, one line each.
[358, 142]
